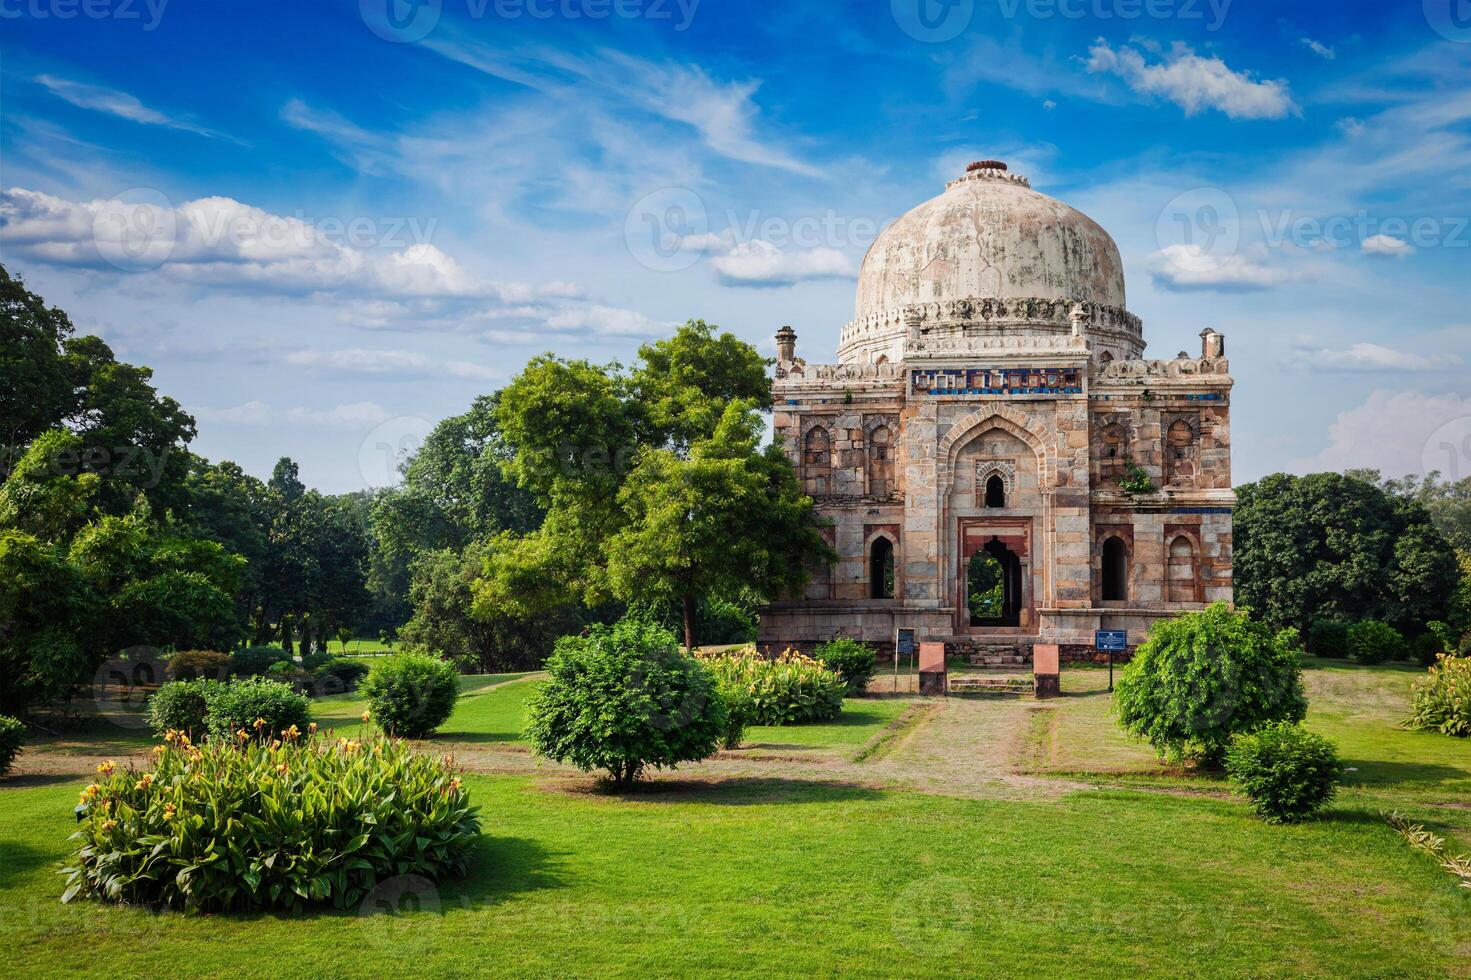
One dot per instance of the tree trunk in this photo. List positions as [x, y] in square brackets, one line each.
[689, 624]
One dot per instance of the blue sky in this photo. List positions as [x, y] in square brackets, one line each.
[326, 227]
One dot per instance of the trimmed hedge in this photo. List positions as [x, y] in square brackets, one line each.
[260, 708]
[411, 694]
[1288, 772]
[1373, 642]
[181, 706]
[242, 828]
[188, 665]
[850, 660]
[255, 661]
[1329, 638]
[12, 737]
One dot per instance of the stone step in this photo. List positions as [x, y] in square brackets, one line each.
[1002, 686]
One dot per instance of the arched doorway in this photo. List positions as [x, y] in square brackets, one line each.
[993, 586]
[881, 569]
[995, 491]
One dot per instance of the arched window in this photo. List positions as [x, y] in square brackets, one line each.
[995, 491]
[817, 460]
[1180, 575]
[881, 569]
[1106, 358]
[880, 462]
[1180, 454]
[1115, 570]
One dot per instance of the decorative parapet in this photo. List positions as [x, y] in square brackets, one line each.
[1193, 370]
[989, 170]
[1072, 347]
[973, 312]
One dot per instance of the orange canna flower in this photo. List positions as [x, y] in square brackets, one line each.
[106, 768]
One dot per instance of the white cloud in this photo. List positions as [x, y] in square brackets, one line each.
[1386, 245]
[606, 321]
[759, 263]
[1350, 126]
[1365, 357]
[1318, 48]
[723, 113]
[1194, 83]
[358, 360]
[115, 103]
[1396, 433]
[1188, 267]
[355, 415]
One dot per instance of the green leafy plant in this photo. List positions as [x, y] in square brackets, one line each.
[850, 660]
[255, 661]
[623, 698]
[12, 737]
[261, 708]
[1425, 648]
[1373, 642]
[1288, 772]
[411, 694]
[280, 824]
[1136, 480]
[790, 689]
[188, 665]
[1201, 677]
[1432, 844]
[1329, 638]
[181, 706]
[1442, 702]
[346, 673]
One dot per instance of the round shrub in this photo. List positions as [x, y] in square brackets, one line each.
[262, 708]
[181, 706]
[850, 660]
[1373, 642]
[303, 821]
[411, 694]
[1201, 677]
[790, 689]
[1329, 638]
[12, 737]
[346, 672]
[1442, 702]
[255, 661]
[1425, 648]
[188, 665]
[623, 698]
[1286, 771]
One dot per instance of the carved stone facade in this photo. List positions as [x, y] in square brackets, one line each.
[997, 470]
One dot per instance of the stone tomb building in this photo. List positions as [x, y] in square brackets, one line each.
[996, 461]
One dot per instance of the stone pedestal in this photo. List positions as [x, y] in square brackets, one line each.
[1046, 675]
[932, 670]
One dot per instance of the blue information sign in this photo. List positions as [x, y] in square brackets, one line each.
[1115, 640]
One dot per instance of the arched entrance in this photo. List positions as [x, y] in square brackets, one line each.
[993, 586]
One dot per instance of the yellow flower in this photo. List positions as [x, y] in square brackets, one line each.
[242, 735]
[107, 825]
[145, 782]
[90, 792]
[106, 768]
[291, 733]
[275, 743]
[282, 768]
[260, 723]
[311, 729]
[157, 750]
[367, 716]
[169, 811]
[171, 735]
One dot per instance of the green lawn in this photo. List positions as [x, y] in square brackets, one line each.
[796, 855]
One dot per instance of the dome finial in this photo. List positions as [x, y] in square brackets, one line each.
[985, 165]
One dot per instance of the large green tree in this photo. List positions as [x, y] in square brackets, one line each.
[654, 483]
[1335, 546]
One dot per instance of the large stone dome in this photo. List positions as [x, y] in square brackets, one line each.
[989, 255]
